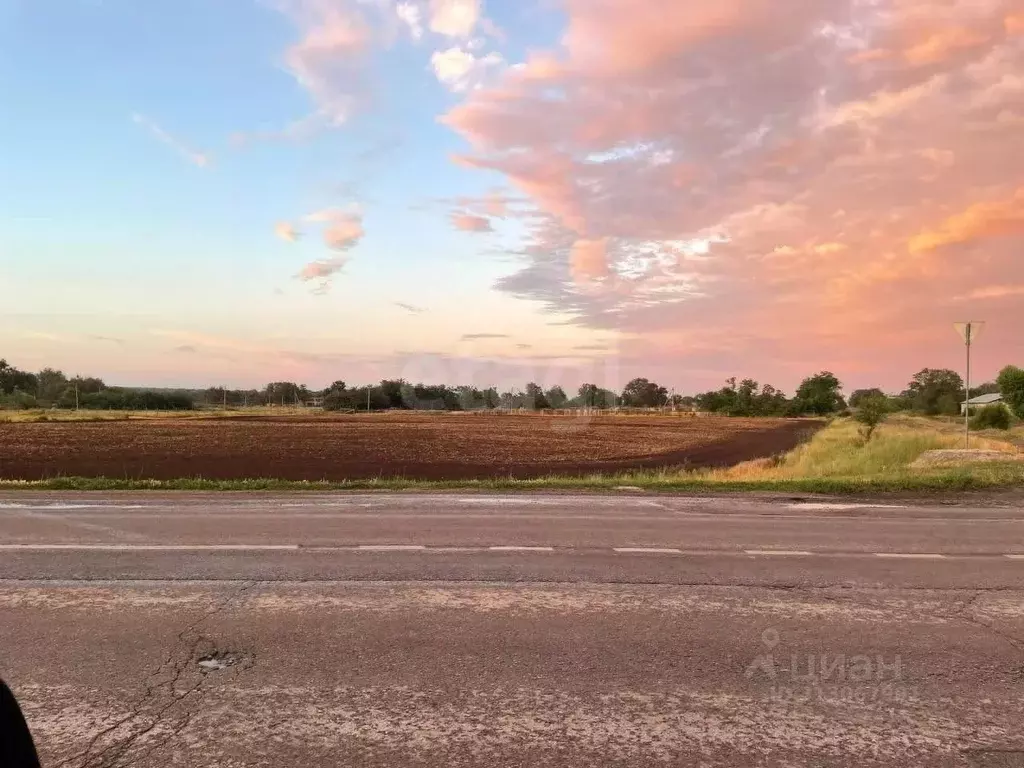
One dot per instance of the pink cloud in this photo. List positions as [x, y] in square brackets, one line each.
[836, 159]
[588, 259]
[468, 222]
[1000, 218]
[343, 232]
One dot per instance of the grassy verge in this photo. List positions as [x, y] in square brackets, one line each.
[33, 415]
[834, 461]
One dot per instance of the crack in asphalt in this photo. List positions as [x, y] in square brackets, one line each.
[963, 612]
[143, 719]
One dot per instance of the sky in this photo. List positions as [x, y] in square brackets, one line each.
[490, 192]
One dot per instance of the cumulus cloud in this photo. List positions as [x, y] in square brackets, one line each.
[468, 222]
[197, 158]
[343, 233]
[411, 15]
[454, 18]
[829, 157]
[460, 70]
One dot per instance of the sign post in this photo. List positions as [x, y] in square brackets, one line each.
[968, 331]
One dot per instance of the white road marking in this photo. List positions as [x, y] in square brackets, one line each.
[521, 549]
[392, 547]
[1015, 557]
[779, 552]
[151, 547]
[910, 555]
[823, 506]
[647, 551]
[60, 505]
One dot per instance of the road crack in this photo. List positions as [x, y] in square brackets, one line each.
[167, 705]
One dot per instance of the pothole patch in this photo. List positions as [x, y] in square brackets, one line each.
[220, 660]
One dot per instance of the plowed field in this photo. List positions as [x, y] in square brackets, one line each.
[420, 446]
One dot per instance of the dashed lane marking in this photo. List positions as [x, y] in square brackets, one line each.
[647, 551]
[779, 552]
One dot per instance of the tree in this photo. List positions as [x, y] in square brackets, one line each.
[1011, 386]
[556, 397]
[50, 384]
[860, 395]
[641, 393]
[491, 398]
[872, 410]
[12, 379]
[535, 398]
[935, 391]
[988, 388]
[819, 395]
[587, 394]
[282, 393]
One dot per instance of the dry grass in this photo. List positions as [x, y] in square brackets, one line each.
[839, 452]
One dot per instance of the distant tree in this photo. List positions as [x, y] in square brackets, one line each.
[819, 395]
[988, 388]
[281, 393]
[588, 394]
[491, 398]
[935, 391]
[641, 393]
[535, 398]
[392, 391]
[50, 383]
[88, 385]
[12, 379]
[872, 410]
[1011, 386]
[556, 397]
[859, 395]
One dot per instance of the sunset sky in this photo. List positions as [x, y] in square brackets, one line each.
[199, 192]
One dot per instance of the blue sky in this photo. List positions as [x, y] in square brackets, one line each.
[112, 228]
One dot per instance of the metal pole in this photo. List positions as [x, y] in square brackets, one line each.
[967, 408]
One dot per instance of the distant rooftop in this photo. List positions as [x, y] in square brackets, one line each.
[995, 397]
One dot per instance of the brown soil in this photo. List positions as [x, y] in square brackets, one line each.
[418, 446]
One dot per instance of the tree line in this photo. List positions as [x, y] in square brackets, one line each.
[930, 392]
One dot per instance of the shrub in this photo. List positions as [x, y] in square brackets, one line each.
[991, 417]
[1011, 385]
[873, 410]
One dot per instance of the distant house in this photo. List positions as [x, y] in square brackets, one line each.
[981, 401]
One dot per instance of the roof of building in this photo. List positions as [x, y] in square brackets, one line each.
[995, 397]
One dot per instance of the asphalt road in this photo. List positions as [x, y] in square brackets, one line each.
[479, 630]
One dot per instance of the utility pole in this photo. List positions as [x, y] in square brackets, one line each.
[969, 331]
